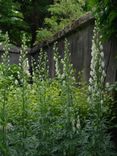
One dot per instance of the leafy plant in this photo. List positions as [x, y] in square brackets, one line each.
[51, 116]
[4, 100]
[107, 12]
[97, 141]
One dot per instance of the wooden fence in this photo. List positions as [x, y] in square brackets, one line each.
[79, 34]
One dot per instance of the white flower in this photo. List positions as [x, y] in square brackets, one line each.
[54, 58]
[64, 83]
[90, 80]
[101, 47]
[73, 125]
[103, 73]
[102, 79]
[9, 126]
[88, 99]
[92, 66]
[101, 101]
[89, 88]
[102, 54]
[100, 69]
[16, 82]
[78, 123]
[91, 73]
[97, 73]
[103, 64]
[107, 84]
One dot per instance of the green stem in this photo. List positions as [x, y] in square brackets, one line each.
[4, 123]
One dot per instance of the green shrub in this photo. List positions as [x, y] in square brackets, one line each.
[48, 117]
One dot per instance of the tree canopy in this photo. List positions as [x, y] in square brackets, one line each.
[39, 19]
[19, 16]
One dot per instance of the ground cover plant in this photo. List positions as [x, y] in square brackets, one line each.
[52, 116]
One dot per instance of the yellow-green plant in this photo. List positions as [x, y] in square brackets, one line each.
[4, 89]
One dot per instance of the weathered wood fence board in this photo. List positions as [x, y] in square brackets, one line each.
[110, 50]
[14, 54]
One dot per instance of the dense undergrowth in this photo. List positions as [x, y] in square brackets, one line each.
[52, 116]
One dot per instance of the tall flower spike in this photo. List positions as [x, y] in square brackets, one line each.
[96, 128]
[68, 72]
[6, 48]
[23, 61]
[4, 91]
[97, 73]
[57, 60]
[42, 67]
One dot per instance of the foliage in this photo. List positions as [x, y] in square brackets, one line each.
[48, 117]
[4, 91]
[12, 20]
[71, 9]
[107, 11]
[62, 13]
[19, 16]
[42, 35]
[112, 90]
[42, 118]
